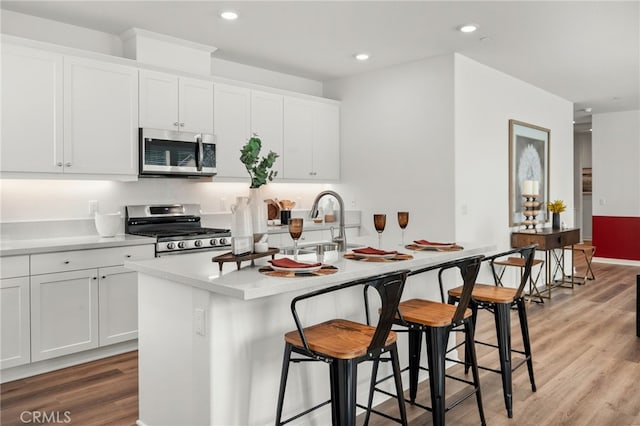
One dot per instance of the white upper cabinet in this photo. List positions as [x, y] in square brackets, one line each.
[32, 130]
[326, 142]
[266, 122]
[175, 103]
[100, 117]
[196, 105]
[311, 140]
[232, 123]
[62, 114]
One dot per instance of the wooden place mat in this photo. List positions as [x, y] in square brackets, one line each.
[418, 248]
[324, 270]
[365, 258]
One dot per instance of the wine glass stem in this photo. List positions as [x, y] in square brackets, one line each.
[402, 242]
[380, 240]
[295, 249]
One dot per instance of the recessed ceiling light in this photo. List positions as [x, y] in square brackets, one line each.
[229, 15]
[468, 28]
[361, 56]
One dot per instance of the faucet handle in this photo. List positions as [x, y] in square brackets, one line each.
[331, 230]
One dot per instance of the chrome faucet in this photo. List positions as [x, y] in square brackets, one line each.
[341, 239]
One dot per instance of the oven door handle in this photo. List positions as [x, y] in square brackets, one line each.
[200, 158]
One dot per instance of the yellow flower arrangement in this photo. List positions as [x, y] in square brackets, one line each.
[557, 206]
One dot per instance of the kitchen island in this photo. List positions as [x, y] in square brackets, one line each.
[211, 342]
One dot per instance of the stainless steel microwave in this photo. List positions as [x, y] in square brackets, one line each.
[178, 154]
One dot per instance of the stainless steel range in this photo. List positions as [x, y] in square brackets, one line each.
[176, 227]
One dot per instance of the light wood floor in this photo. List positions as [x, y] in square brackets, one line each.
[586, 362]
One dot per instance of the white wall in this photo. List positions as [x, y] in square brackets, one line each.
[397, 146]
[485, 100]
[616, 164]
[46, 30]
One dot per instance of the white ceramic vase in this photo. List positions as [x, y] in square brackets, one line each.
[258, 212]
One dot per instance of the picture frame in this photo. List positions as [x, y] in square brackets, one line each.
[528, 161]
[586, 180]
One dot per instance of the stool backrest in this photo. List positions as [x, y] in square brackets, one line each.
[469, 268]
[389, 288]
[528, 255]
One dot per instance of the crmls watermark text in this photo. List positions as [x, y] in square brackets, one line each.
[45, 417]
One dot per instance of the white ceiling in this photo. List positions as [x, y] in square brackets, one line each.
[585, 51]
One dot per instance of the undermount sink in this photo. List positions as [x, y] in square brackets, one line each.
[289, 251]
[307, 248]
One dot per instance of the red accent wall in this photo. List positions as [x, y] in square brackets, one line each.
[617, 237]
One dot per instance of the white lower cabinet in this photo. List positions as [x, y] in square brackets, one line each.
[72, 301]
[64, 313]
[14, 322]
[118, 295]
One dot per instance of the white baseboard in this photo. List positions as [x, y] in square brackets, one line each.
[625, 262]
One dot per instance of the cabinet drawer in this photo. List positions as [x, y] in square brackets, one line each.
[86, 259]
[14, 266]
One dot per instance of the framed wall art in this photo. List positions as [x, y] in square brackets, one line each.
[528, 169]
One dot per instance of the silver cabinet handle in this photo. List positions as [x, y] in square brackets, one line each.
[127, 256]
[59, 164]
[94, 278]
[67, 164]
[181, 124]
[104, 277]
[200, 156]
[175, 123]
[66, 262]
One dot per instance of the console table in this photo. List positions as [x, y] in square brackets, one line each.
[549, 240]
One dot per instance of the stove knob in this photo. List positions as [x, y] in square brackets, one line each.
[223, 241]
[213, 242]
[171, 246]
[198, 243]
[181, 244]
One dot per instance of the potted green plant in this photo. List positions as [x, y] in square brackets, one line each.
[556, 207]
[260, 172]
[259, 169]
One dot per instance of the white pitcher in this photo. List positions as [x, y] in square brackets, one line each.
[241, 227]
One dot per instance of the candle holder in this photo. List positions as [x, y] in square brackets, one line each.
[531, 210]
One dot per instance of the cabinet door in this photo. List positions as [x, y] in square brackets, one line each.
[232, 127]
[298, 139]
[101, 117]
[266, 122]
[326, 141]
[195, 105]
[118, 295]
[14, 313]
[31, 110]
[64, 313]
[158, 100]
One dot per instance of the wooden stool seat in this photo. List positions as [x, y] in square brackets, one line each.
[488, 293]
[426, 312]
[338, 338]
[516, 261]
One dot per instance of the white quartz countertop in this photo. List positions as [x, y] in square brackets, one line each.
[199, 271]
[9, 247]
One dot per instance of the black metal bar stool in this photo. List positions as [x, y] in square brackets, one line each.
[499, 300]
[344, 344]
[437, 321]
